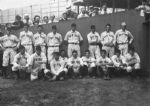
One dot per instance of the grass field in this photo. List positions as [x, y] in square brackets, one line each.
[79, 92]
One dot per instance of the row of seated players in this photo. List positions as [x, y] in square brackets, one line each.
[62, 67]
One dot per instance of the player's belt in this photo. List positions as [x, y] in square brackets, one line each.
[26, 44]
[93, 44]
[122, 43]
[74, 43]
[54, 46]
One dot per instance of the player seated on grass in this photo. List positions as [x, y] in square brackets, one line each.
[103, 64]
[132, 61]
[38, 64]
[21, 62]
[119, 62]
[75, 64]
[63, 57]
[58, 69]
[89, 64]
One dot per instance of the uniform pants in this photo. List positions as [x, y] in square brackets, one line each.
[123, 48]
[72, 47]
[110, 50]
[91, 72]
[72, 73]
[95, 51]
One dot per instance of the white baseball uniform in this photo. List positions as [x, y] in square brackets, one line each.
[93, 40]
[26, 39]
[21, 62]
[53, 43]
[89, 62]
[102, 62]
[133, 62]
[108, 41]
[38, 62]
[118, 61]
[73, 39]
[123, 39]
[40, 39]
[75, 63]
[9, 42]
[65, 59]
[57, 66]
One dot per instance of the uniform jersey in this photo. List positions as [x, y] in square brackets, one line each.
[93, 37]
[9, 41]
[107, 38]
[39, 39]
[102, 60]
[88, 61]
[54, 39]
[26, 37]
[132, 59]
[36, 59]
[21, 60]
[117, 61]
[123, 37]
[65, 59]
[57, 66]
[75, 63]
[73, 37]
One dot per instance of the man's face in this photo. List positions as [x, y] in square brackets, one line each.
[93, 29]
[54, 30]
[8, 32]
[39, 29]
[38, 52]
[56, 56]
[131, 52]
[37, 18]
[45, 19]
[26, 28]
[87, 54]
[73, 28]
[118, 54]
[123, 27]
[22, 51]
[108, 28]
[74, 54]
[26, 17]
[103, 54]
[63, 54]
[83, 10]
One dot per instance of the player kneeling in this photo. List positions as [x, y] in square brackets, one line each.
[21, 62]
[75, 64]
[119, 62]
[58, 69]
[38, 64]
[104, 63]
[132, 61]
[89, 64]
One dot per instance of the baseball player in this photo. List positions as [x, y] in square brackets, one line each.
[94, 40]
[119, 62]
[75, 65]
[9, 44]
[26, 39]
[54, 40]
[104, 63]
[40, 39]
[89, 64]
[63, 57]
[132, 60]
[123, 39]
[21, 62]
[37, 64]
[108, 41]
[74, 38]
[58, 69]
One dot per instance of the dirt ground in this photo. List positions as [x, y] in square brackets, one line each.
[79, 92]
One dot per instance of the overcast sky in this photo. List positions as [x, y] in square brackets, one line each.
[6, 4]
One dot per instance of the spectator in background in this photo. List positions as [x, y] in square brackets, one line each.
[36, 20]
[96, 11]
[45, 20]
[70, 14]
[18, 23]
[83, 13]
[91, 11]
[64, 17]
[104, 9]
[144, 10]
[27, 20]
[52, 19]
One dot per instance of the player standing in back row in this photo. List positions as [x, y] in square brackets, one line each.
[123, 39]
[94, 40]
[26, 39]
[74, 38]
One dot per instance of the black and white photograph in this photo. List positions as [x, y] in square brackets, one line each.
[74, 52]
